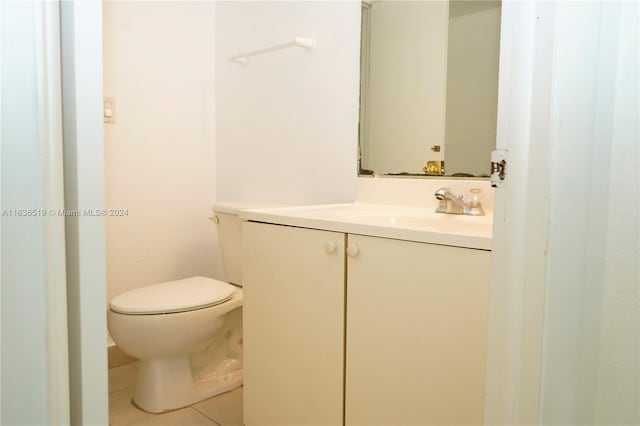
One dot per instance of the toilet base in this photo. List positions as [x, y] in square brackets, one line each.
[169, 383]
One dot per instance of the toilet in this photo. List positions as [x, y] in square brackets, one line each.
[187, 333]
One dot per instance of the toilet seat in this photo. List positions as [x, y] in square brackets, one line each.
[172, 297]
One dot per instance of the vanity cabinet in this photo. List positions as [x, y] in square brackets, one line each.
[293, 325]
[413, 316]
[416, 333]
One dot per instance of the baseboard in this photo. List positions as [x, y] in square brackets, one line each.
[118, 358]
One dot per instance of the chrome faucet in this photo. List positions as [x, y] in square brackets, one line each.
[451, 203]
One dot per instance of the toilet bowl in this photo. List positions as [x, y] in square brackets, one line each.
[187, 333]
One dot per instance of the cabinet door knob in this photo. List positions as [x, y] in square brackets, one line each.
[352, 250]
[330, 247]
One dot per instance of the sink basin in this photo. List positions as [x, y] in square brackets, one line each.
[399, 222]
[405, 221]
[424, 220]
[409, 221]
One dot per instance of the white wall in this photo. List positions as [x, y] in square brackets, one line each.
[160, 153]
[407, 85]
[472, 91]
[287, 122]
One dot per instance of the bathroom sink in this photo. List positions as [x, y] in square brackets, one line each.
[407, 221]
[428, 221]
[399, 222]
[402, 221]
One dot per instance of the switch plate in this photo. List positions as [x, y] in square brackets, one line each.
[109, 110]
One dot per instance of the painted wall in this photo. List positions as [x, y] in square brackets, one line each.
[164, 150]
[160, 153]
[591, 371]
[406, 85]
[287, 122]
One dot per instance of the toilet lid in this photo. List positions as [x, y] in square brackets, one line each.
[172, 297]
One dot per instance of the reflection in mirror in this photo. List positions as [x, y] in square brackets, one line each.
[428, 87]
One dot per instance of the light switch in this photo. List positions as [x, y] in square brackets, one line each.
[109, 110]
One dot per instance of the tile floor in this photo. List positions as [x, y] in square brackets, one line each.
[222, 410]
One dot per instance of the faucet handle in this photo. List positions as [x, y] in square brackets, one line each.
[473, 204]
[474, 197]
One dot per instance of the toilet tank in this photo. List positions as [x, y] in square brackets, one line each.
[230, 236]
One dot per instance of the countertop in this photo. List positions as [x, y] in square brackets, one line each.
[387, 221]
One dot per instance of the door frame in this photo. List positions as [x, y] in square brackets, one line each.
[516, 307]
[82, 94]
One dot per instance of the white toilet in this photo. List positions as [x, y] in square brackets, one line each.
[187, 334]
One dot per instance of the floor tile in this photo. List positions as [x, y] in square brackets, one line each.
[122, 412]
[184, 417]
[225, 409]
[122, 377]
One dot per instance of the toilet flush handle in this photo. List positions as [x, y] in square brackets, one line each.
[330, 247]
[352, 250]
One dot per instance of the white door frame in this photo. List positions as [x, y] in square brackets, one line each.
[37, 345]
[516, 306]
[50, 94]
[81, 49]
[563, 110]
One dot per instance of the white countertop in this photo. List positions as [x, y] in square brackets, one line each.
[388, 221]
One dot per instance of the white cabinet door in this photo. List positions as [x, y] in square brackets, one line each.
[416, 333]
[293, 325]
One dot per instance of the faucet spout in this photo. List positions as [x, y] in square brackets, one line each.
[449, 202]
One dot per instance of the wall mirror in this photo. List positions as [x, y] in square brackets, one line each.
[428, 87]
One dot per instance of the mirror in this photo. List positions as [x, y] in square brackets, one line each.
[428, 87]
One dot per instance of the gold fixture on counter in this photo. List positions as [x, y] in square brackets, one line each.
[434, 168]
